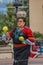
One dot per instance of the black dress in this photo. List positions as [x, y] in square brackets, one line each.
[21, 55]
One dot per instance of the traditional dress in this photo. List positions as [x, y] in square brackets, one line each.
[21, 49]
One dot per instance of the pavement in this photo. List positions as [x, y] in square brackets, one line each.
[36, 61]
[6, 62]
[8, 59]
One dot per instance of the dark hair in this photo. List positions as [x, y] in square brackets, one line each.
[24, 19]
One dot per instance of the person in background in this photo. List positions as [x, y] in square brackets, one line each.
[5, 34]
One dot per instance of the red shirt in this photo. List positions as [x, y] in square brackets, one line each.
[27, 31]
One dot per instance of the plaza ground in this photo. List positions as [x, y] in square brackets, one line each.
[36, 61]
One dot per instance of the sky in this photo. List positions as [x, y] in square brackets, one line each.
[3, 5]
[6, 1]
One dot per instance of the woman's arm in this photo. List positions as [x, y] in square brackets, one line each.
[30, 36]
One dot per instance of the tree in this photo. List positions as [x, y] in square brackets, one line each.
[10, 16]
[2, 22]
[7, 19]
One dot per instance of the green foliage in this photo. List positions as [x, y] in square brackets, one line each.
[10, 12]
[7, 19]
[38, 35]
[2, 18]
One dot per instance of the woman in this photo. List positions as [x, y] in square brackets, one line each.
[22, 36]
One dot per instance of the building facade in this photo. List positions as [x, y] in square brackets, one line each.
[36, 15]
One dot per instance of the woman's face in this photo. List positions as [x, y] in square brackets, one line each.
[20, 23]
